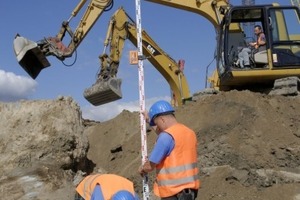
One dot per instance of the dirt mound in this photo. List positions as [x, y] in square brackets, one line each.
[249, 146]
[248, 142]
[42, 145]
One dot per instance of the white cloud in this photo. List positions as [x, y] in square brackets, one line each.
[14, 87]
[108, 111]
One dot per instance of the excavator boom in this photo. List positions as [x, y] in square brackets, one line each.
[212, 10]
[121, 28]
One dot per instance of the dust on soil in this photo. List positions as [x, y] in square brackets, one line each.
[249, 148]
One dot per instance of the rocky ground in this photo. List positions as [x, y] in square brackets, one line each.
[249, 147]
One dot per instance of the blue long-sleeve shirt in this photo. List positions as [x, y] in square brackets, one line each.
[164, 145]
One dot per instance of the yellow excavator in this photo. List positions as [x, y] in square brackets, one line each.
[122, 27]
[280, 60]
[32, 56]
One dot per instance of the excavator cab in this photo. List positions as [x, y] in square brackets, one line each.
[278, 58]
[29, 56]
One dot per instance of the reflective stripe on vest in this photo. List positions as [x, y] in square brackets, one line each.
[178, 181]
[176, 169]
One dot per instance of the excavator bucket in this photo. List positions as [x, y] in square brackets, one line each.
[103, 92]
[30, 56]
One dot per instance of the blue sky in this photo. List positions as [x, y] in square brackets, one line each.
[183, 35]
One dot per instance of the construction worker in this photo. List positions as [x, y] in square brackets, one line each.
[105, 187]
[174, 155]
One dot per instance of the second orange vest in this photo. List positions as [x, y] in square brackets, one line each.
[110, 184]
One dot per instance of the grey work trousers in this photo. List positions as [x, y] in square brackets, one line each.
[186, 194]
[244, 57]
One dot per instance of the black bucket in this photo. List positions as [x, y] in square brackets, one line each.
[103, 92]
[30, 56]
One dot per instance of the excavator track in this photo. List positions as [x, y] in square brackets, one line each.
[288, 86]
[103, 91]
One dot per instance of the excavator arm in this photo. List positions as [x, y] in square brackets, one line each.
[121, 28]
[32, 56]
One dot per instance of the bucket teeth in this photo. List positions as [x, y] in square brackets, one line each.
[103, 92]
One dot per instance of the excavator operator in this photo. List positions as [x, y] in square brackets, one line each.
[255, 47]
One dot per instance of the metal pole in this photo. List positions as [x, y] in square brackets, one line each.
[142, 96]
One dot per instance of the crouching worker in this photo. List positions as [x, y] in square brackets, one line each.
[105, 187]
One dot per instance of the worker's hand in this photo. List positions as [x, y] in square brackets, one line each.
[141, 171]
[146, 115]
[252, 44]
[147, 167]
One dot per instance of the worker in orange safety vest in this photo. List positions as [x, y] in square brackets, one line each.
[105, 187]
[174, 155]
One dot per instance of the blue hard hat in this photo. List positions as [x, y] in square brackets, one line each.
[159, 108]
[123, 195]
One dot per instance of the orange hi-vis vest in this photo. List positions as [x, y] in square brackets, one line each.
[110, 184]
[179, 170]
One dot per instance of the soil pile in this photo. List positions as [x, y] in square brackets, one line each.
[249, 146]
[42, 144]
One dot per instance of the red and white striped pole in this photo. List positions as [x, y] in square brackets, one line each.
[142, 96]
